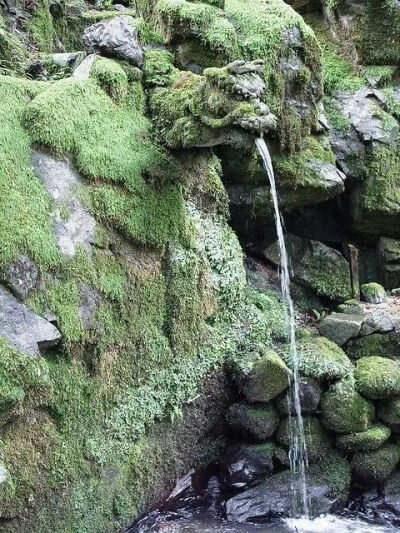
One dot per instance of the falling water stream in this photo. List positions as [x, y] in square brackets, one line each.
[298, 449]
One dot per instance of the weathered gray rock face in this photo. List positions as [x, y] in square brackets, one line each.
[360, 108]
[21, 276]
[273, 499]
[340, 327]
[82, 71]
[24, 329]
[389, 262]
[378, 321]
[73, 225]
[315, 265]
[116, 37]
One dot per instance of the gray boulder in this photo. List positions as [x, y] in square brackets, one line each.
[378, 321]
[340, 327]
[21, 276]
[360, 108]
[73, 225]
[328, 485]
[116, 37]
[24, 329]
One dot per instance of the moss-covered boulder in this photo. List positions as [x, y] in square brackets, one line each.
[317, 266]
[373, 293]
[262, 376]
[271, 31]
[316, 438]
[389, 412]
[377, 377]
[320, 358]
[389, 261]
[341, 327]
[344, 410]
[372, 468]
[253, 422]
[378, 345]
[364, 441]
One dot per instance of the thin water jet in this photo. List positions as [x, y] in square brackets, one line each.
[298, 450]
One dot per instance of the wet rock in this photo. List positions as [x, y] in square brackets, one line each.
[344, 410]
[377, 344]
[347, 147]
[261, 377]
[244, 464]
[377, 378]
[21, 276]
[315, 265]
[364, 441]
[389, 412]
[73, 225]
[310, 396]
[24, 329]
[340, 327]
[373, 293]
[253, 422]
[320, 358]
[115, 37]
[372, 468]
[317, 439]
[328, 485]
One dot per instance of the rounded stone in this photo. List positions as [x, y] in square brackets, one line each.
[389, 412]
[377, 377]
[364, 441]
[373, 293]
[317, 439]
[310, 396]
[372, 468]
[344, 410]
[261, 377]
[253, 422]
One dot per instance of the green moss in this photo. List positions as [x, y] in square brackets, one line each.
[373, 292]
[13, 55]
[338, 121]
[377, 41]
[262, 376]
[344, 410]
[364, 441]
[389, 412]
[111, 77]
[372, 468]
[317, 440]
[337, 71]
[320, 358]
[251, 32]
[377, 377]
[298, 178]
[24, 381]
[158, 68]
[23, 202]
[40, 27]
[377, 344]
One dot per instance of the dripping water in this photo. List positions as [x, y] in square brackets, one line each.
[298, 449]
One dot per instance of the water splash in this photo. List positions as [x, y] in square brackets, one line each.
[298, 449]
